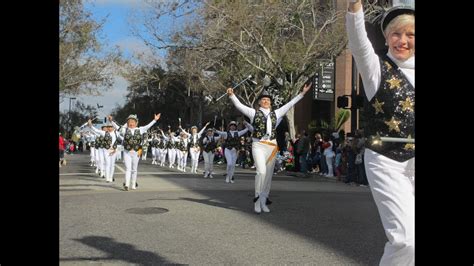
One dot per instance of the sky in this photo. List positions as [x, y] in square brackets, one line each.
[116, 31]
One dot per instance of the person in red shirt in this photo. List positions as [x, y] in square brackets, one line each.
[61, 150]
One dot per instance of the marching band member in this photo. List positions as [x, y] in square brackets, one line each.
[264, 144]
[232, 142]
[132, 139]
[110, 140]
[195, 150]
[389, 84]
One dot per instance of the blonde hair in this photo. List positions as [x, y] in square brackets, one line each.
[399, 22]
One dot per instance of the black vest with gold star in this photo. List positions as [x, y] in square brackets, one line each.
[260, 125]
[132, 141]
[193, 144]
[99, 142]
[232, 141]
[210, 145]
[182, 145]
[154, 143]
[107, 141]
[391, 113]
[170, 144]
[162, 144]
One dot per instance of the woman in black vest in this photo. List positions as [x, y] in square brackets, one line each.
[132, 136]
[389, 83]
[264, 144]
[232, 143]
[209, 143]
[110, 141]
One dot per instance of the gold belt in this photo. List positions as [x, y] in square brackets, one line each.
[275, 150]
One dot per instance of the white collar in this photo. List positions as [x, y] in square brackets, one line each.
[265, 111]
[409, 63]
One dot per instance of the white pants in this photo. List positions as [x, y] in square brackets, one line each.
[171, 156]
[118, 152]
[154, 153]
[393, 188]
[208, 162]
[231, 158]
[194, 158]
[102, 161]
[109, 165]
[264, 156]
[163, 153]
[92, 155]
[329, 162]
[130, 159]
[97, 159]
[144, 152]
[182, 158]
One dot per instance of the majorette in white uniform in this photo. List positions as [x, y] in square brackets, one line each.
[264, 144]
[389, 84]
[232, 142]
[132, 139]
[194, 149]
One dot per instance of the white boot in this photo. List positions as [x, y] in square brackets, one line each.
[263, 204]
[257, 207]
[227, 179]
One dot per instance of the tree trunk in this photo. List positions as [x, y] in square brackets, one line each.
[291, 122]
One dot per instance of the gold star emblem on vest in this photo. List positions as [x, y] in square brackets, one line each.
[409, 146]
[407, 105]
[394, 83]
[393, 124]
[378, 106]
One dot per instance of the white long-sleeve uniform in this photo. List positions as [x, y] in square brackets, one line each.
[130, 157]
[109, 154]
[194, 151]
[231, 154]
[209, 156]
[264, 151]
[392, 183]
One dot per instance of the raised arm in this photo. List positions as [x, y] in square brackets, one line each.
[184, 131]
[247, 111]
[280, 112]
[202, 129]
[145, 128]
[243, 131]
[361, 48]
[95, 130]
[222, 134]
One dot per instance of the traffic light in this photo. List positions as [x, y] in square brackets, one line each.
[343, 101]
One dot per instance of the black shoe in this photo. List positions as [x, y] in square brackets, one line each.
[113, 179]
[136, 184]
[268, 202]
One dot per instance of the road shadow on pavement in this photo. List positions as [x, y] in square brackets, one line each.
[119, 251]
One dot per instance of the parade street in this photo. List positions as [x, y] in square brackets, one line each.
[182, 218]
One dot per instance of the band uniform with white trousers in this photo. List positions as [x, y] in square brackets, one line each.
[264, 145]
[194, 148]
[390, 87]
[232, 138]
[210, 146]
[132, 140]
[109, 152]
